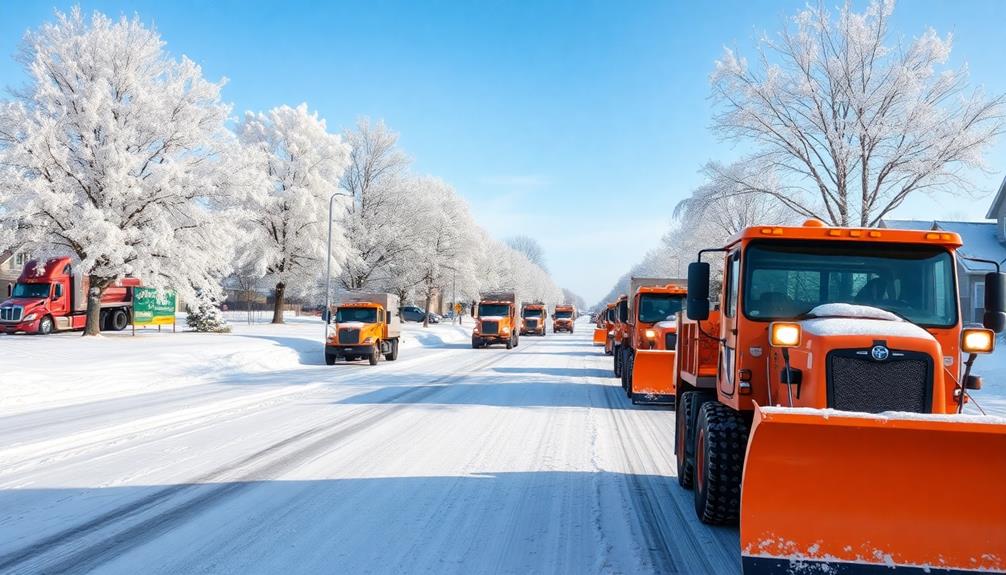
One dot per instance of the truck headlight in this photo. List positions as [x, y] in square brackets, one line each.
[369, 340]
[650, 334]
[506, 330]
[30, 316]
[977, 340]
[784, 334]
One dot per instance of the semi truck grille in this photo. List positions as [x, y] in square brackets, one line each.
[11, 313]
[490, 327]
[903, 382]
[670, 341]
[349, 335]
[532, 324]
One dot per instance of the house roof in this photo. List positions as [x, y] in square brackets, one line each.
[993, 213]
[980, 241]
[907, 224]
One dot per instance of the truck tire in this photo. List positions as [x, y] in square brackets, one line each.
[45, 325]
[684, 436]
[516, 340]
[374, 355]
[509, 343]
[329, 359]
[393, 354]
[627, 362]
[475, 342]
[616, 352]
[720, 442]
[118, 320]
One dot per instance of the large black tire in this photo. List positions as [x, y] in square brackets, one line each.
[45, 325]
[516, 340]
[627, 362]
[476, 342]
[720, 442]
[684, 436]
[329, 359]
[118, 320]
[393, 354]
[617, 355]
[509, 343]
[374, 355]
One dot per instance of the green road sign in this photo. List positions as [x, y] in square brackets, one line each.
[151, 308]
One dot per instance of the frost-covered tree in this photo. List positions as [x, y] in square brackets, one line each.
[724, 207]
[848, 120]
[118, 154]
[299, 165]
[376, 223]
[530, 248]
[205, 315]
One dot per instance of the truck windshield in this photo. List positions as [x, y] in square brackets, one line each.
[360, 314]
[494, 309]
[610, 314]
[785, 280]
[658, 307]
[532, 313]
[563, 314]
[31, 290]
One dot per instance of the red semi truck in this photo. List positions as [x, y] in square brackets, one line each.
[52, 296]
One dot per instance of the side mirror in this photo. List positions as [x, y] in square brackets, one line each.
[326, 316]
[698, 291]
[995, 301]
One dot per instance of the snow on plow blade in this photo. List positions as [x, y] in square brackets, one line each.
[653, 376]
[839, 492]
[600, 334]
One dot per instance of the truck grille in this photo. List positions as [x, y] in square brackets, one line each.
[349, 335]
[490, 327]
[903, 382]
[532, 324]
[11, 313]
[670, 340]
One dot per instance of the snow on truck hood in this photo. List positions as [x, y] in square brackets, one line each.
[490, 317]
[358, 324]
[848, 319]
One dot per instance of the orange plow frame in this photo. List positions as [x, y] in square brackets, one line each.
[858, 493]
[600, 334]
[653, 376]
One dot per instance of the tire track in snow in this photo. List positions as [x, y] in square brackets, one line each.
[85, 554]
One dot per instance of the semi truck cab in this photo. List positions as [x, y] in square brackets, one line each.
[365, 326]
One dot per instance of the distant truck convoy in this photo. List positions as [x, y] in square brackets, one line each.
[533, 318]
[562, 319]
[367, 325]
[496, 321]
[54, 298]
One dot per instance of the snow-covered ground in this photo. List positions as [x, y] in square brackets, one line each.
[243, 453]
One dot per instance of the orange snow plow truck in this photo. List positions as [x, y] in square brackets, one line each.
[497, 321]
[52, 296]
[366, 326]
[605, 325]
[533, 317]
[821, 403]
[563, 318]
[648, 358]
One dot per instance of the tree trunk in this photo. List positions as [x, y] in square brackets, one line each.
[429, 300]
[96, 289]
[277, 309]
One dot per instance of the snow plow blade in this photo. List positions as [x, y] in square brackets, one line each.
[600, 334]
[839, 492]
[653, 376]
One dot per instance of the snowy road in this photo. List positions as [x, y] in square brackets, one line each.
[450, 460]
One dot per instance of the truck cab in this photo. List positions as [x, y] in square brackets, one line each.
[563, 318]
[364, 326]
[496, 321]
[620, 333]
[533, 318]
[51, 296]
[607, 322]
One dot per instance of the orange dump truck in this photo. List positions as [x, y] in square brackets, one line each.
[649, 358]
[819, 404]
[620, 333]
[496, 321]
[563, 318]
[607, 323]
[533, 317]
[365, 326]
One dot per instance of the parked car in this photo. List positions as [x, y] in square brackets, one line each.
[416, 314]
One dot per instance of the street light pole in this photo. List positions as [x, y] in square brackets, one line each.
[328, 264]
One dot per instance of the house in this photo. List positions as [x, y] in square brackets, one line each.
[11, 263]
[982, 241]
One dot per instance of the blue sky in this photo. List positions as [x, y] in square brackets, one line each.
[579, 123]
